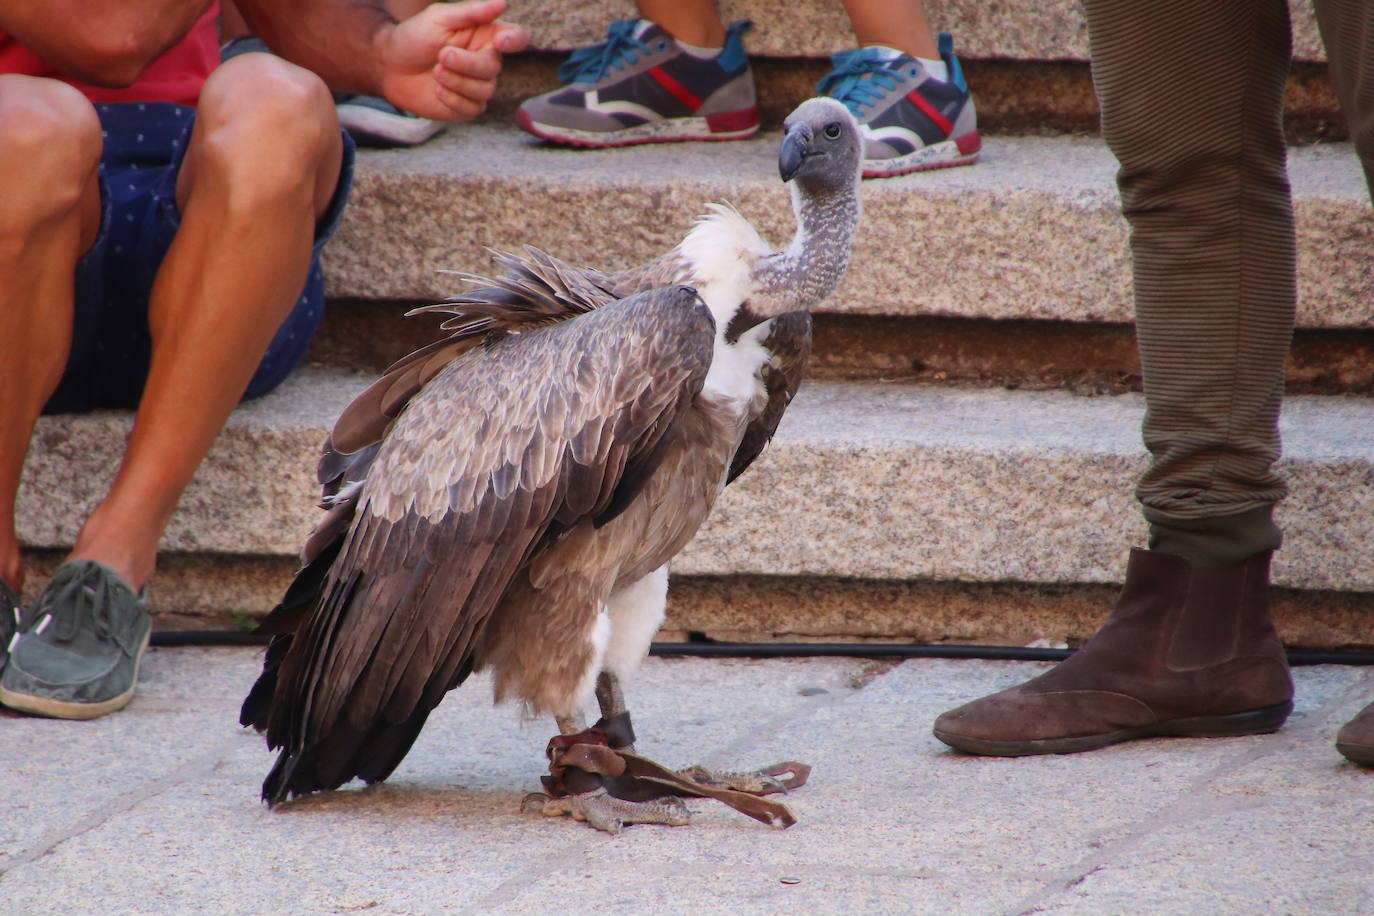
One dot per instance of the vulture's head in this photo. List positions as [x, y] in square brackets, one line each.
[821, 146]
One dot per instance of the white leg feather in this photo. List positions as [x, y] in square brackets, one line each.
[636, 612]
[599, 638]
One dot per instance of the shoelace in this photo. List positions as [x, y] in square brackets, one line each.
[77, 594]
[589, 64]
[857, 81]
[9, 607]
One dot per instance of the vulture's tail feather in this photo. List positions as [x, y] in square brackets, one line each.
[257, 706]
[301, 597]
[371, 756]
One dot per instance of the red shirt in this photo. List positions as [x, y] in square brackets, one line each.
[176, 76]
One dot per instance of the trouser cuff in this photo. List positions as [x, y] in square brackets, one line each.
[1219, 540]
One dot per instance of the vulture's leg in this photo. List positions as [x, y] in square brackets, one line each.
[597, 807]
[610, 697]
[636, 613]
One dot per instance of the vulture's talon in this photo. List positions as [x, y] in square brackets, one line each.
[609, 814]
[765, 781]
[790, 773]
[536, 803]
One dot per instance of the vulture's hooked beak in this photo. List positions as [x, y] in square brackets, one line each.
[796, 146]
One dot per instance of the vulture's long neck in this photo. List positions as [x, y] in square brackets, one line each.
[814, 263]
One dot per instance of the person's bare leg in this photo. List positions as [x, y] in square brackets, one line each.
[49, 155]
[231, 22]
[694, 21]
[261, 167]
[899, 24]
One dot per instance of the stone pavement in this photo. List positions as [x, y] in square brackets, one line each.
[155, 810]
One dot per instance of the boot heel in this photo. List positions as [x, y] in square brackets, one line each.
[1254, 722]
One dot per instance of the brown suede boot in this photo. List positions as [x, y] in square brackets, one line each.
[1188, 650]
[1356, 738]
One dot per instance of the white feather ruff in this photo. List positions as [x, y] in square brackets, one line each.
[720, 251]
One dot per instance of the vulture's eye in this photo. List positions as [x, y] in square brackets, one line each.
[832, 130]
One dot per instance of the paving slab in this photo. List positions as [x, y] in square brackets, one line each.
[1033, 231]
[154, 810]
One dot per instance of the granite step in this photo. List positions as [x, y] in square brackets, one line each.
[1033, 232]
[1029, 97]
[1026, 62]
[865, 482]
[1049, 30]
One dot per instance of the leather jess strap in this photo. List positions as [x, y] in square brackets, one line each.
[584, 762]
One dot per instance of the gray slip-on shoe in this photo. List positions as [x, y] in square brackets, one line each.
[77, 652]
[375, 122]
[9, 620]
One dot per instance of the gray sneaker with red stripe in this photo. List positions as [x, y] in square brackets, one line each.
[909, 121]
[641, 86]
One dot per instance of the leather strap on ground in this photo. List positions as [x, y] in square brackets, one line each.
[585, 761]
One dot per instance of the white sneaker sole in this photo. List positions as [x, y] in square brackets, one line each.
[63, 709]
[669, 130]
[943, 155]
[398, 129]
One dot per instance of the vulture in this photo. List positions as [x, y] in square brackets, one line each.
[509, 497]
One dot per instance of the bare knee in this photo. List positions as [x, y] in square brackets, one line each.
[267, 126]
[50, 146]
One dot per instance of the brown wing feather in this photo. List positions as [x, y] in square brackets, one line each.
[535, 290]
[448, 517]
[788, 338]
[664, 270]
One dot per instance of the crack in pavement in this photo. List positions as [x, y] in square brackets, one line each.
[201, 765]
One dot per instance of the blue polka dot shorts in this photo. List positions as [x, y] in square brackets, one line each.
[111, 347]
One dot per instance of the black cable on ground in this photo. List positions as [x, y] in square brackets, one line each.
[871, 650]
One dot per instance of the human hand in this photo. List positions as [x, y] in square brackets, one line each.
[442, 63]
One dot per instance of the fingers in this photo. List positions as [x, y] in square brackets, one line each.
[462, 64]
[510, 38]
[459, 46]
[467, 93]
[459, 107]
[465, 14]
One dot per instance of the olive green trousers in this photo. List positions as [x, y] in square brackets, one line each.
[1192, 106]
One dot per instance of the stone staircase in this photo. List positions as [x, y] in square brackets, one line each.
[960, 466]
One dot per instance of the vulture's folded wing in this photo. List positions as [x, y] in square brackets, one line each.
[536, 289]
[519, 440]
[788, 338]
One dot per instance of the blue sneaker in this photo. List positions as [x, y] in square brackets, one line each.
[641, 86]
[910, 122]
[77, 651]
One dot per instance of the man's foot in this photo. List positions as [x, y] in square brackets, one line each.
[9, 620]
[378, 123]
[909, 120]
[1188, 651]
[1355, 740]
[77, 652]
[641, 86]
